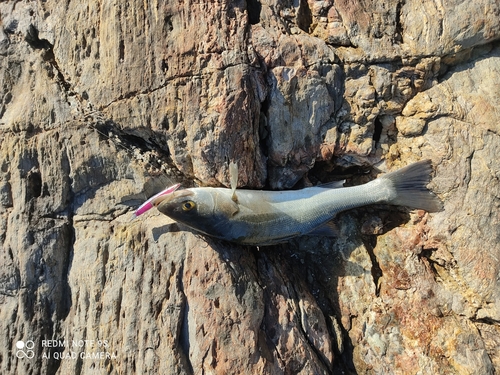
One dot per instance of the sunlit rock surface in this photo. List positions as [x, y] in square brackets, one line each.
[104, 104]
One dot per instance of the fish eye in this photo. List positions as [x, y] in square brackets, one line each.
[188, 206]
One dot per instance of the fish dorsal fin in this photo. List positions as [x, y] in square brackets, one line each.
[332, 185]
[233, 179]
[328, 229]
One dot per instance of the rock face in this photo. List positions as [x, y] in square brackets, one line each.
[105, 103]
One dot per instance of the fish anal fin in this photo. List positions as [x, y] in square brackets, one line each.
[328, 229]
[333, 185]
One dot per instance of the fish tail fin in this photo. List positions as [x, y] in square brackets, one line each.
[409, 187]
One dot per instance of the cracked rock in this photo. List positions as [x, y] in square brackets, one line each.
[104, 104]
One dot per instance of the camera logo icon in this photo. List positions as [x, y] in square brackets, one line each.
[25, 349]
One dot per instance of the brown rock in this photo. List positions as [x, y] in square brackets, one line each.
[410, 126]
[105, 104]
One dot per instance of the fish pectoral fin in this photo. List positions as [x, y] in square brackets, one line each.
[329, 229]
[233, 178]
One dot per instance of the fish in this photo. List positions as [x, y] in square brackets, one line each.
[262, 218]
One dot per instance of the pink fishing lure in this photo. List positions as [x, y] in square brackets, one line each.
[149, 203]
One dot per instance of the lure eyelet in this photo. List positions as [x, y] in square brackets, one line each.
[188, 206]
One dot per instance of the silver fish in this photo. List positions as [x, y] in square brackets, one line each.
[253, 217]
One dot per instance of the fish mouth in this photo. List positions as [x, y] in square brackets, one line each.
[168, 197]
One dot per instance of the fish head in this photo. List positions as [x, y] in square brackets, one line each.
[206, 210]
